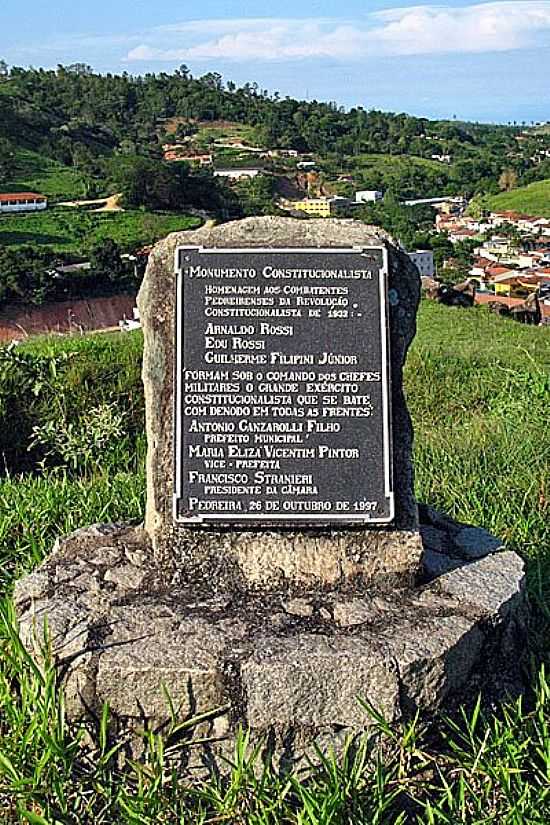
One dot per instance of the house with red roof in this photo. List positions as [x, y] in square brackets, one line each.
[533, 224]
[496, 271]
[462, 234]
[177, 152]
[22, 202]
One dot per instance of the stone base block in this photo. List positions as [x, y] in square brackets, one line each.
[383, 559]
[290, 667]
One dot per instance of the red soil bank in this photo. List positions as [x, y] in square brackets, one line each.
[66, 316]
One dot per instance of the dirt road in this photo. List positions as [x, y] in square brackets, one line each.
[110, 204]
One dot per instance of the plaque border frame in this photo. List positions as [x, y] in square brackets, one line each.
[281, 520]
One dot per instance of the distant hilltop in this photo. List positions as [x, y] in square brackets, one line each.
[81, 119]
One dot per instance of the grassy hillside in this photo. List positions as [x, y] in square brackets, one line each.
[387, 163]
[409, 175]
[532, 200]
[226, 130]
[479, 391]
[478, 388]
[75, 230]
[70, 230]
[35, 172]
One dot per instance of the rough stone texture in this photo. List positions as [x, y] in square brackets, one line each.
[490, 586]
[261, 559]
[299, 607]
[435, 659]
[145, 650]
[314, 680]
[352, 612]
[292, 669]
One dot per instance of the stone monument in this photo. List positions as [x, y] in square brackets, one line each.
[282, 571]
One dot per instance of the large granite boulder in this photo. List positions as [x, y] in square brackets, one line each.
[294, 558]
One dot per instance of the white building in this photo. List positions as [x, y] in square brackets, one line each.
[368, 196]
[127, 324]
[424, 261]
[282, 153]
[22, 202]
[534, 225]
[237, 174]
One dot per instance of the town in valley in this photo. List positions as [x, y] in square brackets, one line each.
[85, 192]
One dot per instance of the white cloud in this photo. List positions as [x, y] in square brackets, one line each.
[227, 25]
[425, 29]
[278, 40]
[144, 52]
[484, 27]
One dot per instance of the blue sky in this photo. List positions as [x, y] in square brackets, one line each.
[481, 60]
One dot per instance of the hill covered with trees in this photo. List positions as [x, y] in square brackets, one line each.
[87, 121]
[75, 135]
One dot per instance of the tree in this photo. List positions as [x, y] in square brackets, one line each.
[508, 180]
[478, 206]
[442, 249]
[4, 70]
[411, 225]
[454, 273]
[26, 275]
[510, 230]
[185, 130]
[256, 196]
[106, 261]
[122, 114]
[7, 155]
[150, 183]
[79, 69]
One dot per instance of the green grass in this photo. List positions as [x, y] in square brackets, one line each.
[478, 389]
[478, 770]
[51, 380]
[71, 230]
[531, 200]
[408, 174]
[236, 158]
[382, 162]
[34, 172]
[8, 88]
[225, 131]
[35, 510]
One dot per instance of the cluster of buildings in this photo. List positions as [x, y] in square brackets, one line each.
[323, 207]
[331, 206]
[180, 151]
[510, 271]
[508, 268]
[461, 227]
[184, 151]
[239, 173]
[175, 152]
[504, 266]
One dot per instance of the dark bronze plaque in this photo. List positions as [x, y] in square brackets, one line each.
[282, 387]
